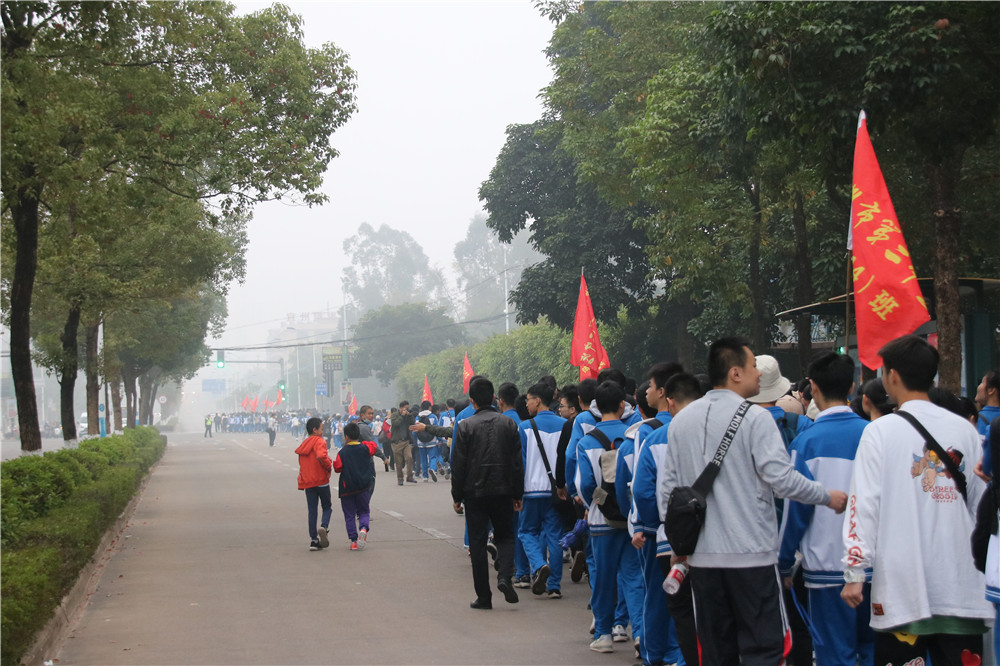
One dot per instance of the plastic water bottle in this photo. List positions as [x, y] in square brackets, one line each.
[675, 577]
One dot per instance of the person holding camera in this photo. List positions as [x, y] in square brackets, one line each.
[399, 436]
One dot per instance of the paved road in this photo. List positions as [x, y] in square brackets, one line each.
[214, 568]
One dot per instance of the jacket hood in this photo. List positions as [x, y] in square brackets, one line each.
[426, 412]
[629, 409]
[309, 444]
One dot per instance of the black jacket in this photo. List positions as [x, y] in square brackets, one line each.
[486, 457]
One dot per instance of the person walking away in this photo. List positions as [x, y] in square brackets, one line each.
[488, 479]
[272, 429]
[314, 479]
[911, 518]
[366, 434]
[540, 526]
[825, 452]
[208, 426]
[357, 474]
[739, 612]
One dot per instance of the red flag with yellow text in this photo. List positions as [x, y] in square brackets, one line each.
[467, 374]
[586, 350]
[352, 408]
[253, 405]
[246, 402]
[887, 298]
[427, 392]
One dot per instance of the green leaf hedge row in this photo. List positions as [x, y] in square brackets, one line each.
[54, 510]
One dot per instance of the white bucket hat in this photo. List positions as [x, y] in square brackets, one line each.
[772, 384]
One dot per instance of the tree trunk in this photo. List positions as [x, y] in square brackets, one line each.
[758, 325]
[804, 293]
[128, 377]
[942, 178]
[116, 403]
[93, 379]
[24, 213]
[146, 384]
[68, 370]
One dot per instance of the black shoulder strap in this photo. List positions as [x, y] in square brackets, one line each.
[545, 457]
[932, 444]
[704, 482]
[603, 439]
[654, 423]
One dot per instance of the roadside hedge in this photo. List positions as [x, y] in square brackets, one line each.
[54, 510]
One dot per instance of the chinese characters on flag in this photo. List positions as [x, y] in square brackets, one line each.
[352, 409]
[467, 374]
[586, 350]
[887, 298]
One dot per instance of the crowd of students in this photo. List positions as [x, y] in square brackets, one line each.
[780, 572]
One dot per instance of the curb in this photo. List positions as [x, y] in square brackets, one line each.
[50, 638]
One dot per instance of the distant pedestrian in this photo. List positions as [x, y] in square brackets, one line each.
[354, 463]
[272, 429]
[314, 479]
[208, 426]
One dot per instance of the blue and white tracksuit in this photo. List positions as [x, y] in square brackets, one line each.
[521, 564]
[616, 562]
[825, 452]
[659, 641]
[540, 526]
[428, 451]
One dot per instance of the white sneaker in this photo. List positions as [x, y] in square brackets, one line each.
[324, 540]
[602, 644]
[362, 539]
[619, 635]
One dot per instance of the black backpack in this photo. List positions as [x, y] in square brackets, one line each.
[423, 435]
[606, 496]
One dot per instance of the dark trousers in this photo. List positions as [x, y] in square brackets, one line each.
[479, 513]
[943, 649]
[740, 616]
[681, 607]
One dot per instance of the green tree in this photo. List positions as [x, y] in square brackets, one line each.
[388, 267]
[390, 336]
[187, 96]
[487, 271]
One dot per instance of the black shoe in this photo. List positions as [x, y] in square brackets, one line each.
[539, 580]
[492, 550]
[479, 604]
[434, 477]
[509, 593]
[579, 566]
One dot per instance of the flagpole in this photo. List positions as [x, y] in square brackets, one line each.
[847, 307]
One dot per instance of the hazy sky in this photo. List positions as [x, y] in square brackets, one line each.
[438, 83]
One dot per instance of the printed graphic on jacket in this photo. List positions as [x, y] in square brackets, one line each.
[929, 467]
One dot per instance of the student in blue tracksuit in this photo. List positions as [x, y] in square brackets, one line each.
[659, 640]
[988, 397]
[825, 453]
[613, 554]
[540, 524]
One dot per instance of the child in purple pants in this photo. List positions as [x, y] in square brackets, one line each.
[357, 473]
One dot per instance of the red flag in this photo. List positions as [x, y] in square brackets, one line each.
[586, 350]
[427, 392]
[352, 408]
[267, 405]
[467, 374]
[278, 401]
[246, 402]
[253, 405]
[887, 298]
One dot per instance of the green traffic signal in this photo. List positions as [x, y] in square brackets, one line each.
[220, 359]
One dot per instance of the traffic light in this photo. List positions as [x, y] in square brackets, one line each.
[281, 384]
[220, 359]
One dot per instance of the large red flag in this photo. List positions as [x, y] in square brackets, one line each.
[586, 350]
[253, 405]
[246, 402]
[278, 401]
[352, 408]
[427, 392]
[268, 404]
[887, 298]
[467, 374]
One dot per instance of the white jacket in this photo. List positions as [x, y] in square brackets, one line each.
[907, 521]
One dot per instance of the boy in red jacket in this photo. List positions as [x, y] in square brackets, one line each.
[314, 478]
